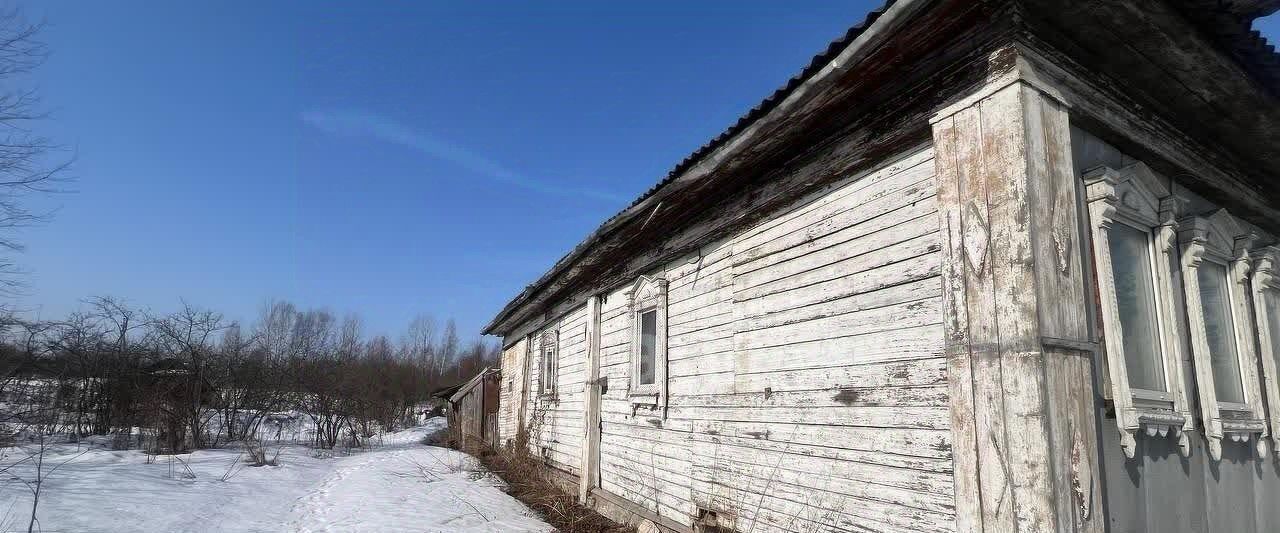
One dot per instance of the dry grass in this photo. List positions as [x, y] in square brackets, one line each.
[527, 480]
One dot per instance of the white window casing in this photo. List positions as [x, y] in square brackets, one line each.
[548, 363]
[1266, 303]
[1133, 221]
[648, 310]
[1215, 272]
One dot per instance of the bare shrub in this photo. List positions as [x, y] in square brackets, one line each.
[529, 481]
[258, 455]
[179, 469]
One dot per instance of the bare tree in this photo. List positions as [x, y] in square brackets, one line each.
[188, 335]
[29, 162]
[318, 367]
[78, 343]
[35, 408]
[243, 389]
[449, 344]
[419, 341]
[121, 319]
[30, 468]
[275, 327]
[115, 368]
[349, 335]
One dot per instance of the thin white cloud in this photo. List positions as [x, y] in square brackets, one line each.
[360, 124]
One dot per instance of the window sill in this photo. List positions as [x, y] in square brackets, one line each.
[1237, 420]
[1152, 410]
[1234, 410]
[1155, 420]
[1153, 397]
[1160, 417]
[646, 396]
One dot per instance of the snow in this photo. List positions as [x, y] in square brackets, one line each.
[398, 484]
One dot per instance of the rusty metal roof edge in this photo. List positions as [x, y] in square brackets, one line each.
[822, 64]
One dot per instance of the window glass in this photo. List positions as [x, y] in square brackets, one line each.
[1220, 330]
[648, 346]
[548, 368]
[1136, 305]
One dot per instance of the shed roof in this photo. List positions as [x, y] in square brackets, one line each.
[446, 392]
[465, 388]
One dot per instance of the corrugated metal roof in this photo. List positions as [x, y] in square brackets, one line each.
[1233, 31]
[1259, 55]
[1248, 46]
[816, 64]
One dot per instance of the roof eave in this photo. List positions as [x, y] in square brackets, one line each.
[822, 71]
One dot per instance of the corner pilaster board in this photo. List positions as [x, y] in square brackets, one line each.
[590, 478]
[1024, 431]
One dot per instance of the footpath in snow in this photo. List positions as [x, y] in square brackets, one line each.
[396, 485]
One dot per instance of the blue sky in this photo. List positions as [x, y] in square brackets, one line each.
[387, 160]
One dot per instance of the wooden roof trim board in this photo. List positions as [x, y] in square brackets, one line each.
[843, 55]
[839, 57]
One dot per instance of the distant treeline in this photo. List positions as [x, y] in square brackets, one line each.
[193, 379]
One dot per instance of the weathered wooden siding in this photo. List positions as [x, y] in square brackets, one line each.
[807, 384]
[513, 368]
[839, 413]
[1159, 490]
[555, 422]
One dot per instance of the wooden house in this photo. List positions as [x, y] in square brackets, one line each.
[983, 265]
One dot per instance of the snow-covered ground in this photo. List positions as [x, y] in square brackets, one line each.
[396, 485]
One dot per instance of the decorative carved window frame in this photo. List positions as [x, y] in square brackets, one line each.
[1219, 238]
[649, 294]
[548, 363]
[1137, 198]
[1266, 282]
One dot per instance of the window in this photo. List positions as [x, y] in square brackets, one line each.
[1216, 263]
[1266, 300]
[1220, 332]
[648, 306]
[548, 362]
[648, 345]
[1133, 220]
[1131, 267]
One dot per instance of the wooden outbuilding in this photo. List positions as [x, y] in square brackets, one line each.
[473, 410]
[981, 266]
